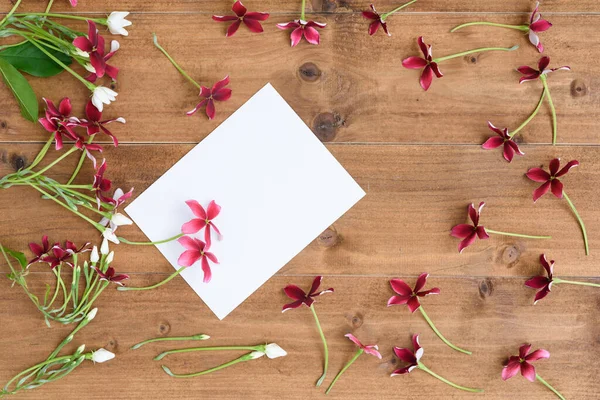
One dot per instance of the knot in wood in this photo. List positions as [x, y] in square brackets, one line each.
[112, 345]
[18, 162]
[164, 328]
[3, 124]
[328, 238]
[486, 288]
[578, 88]
[325, 126]
[510, 254]
[309, 72]
[357, 320]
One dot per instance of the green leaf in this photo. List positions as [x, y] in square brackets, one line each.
[28, 58]
[21, 90]
[20, 257]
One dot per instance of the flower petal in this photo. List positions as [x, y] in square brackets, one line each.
[188, 258]
[296, 36]
[210, 109]
[414, 62]
[188, 243]
[493, 143]
[206, 270]
[540, 25]
[232, 29]
[538, 175]
[315, 285]
[537, 282]
[426, 78]
[467, 242]
[538, 355]
[405, 355]
[413, 304]
[354, 339]
[224, 18]
[239, 9]
[542, 190]
[397, 300]
[256, 16]
[541, 294]
[421, 281]
[294, 292]
[567, 168]
[197, 209]
[193, 226]
[528, 371]
[462, 231]
[510, 370]
[312, 35]
[253, 25]
[400, 287]
[523, 350]
[289, 306]
[557, 188]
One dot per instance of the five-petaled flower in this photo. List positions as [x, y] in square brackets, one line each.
[377, 21]
[196, 250]
[59, 121]
[59, 255]
[250, 19]
[409, 296]
[470, 232]
[93, 46]
[412, 357]
[536, 25]
[542, 282]
[40, 250]
[522, 362]
[111, 276]
[218, 92]
[303, 28]
[429, 66]
[116, 23]
[550, 180]
[505, 140]
[204, 219]
[109, 70]
[94, 123]
[530, 74]
[301, 297]
[371, 349]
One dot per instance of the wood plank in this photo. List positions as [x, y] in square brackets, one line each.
[415, 194]
[491, 323]
[351, 88]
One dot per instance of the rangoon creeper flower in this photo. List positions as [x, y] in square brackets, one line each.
[40, 251]
[522, 363]
[250, 19]
[379, 20]
[218, 93]
[203, 220]
[103, 95]
[196, 250]
[94, 123]
[505, 140]
[302, 28]
[109, 70]
[101, 355]
[116, 23]
[93, 44]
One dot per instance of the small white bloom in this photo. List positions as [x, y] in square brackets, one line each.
[94, 257]
[116, 23]
[273, 351]
[92, 314]
[80, 349]
[110, 257]
[104, 247]
[256, 354]
[103, 95]
[119, 219]
[110, 235]
[102, 355]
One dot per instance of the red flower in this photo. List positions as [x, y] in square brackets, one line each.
[530, 74]
[250, 19]
[303, 28]
[57, 257]
[300, 297]
[536, 25]
[109, 70]
[377, 21]
[72, 249]
[521, 362]
[196, 250]
[111, 276]
[218, 92]
[429, 66]
[503, 139]
[369, 349]
[204, 219]
[94, 124]
[59, 121]
[93, 45]
[542, 282]
[101, 184]
[39, 251]
[470, 232]
[550, 180]
[409, 296]
[411, 357]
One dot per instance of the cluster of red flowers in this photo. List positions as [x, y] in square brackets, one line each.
[56, 254]
[94, 46]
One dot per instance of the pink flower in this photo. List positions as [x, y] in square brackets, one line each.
[429, 66]
[218, 92]
[73, 3]
[530, 74]
[204, 219]
[412, 357]
[409, 296]
[369, 349]
[59, 121]
[470, 232]
[377, 21]
[109, 70]
[111, 276]
[536, 25]
[300, 297]
[542, 282]
[250, 19]
[93, 45]
[196, 250]
[94, 124]
[522, 362]
[303, 28]
[503, 139]
[39, 251]
[550, 180]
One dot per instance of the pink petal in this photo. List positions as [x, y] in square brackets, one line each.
[542, 190]
[197, 209]
[538, 175]
[567, 168]
[398, 300]
[354, 339]
[372, 350]
[294, 292]
[64, 107]
[210, 109]
[198, 106]
[92, 112]
[83, 44]
[414, 62]
[193, 226]
[288, 25]
[188, 243]
[426, 78]
[538, 355]
[211, 257]
[557, 188]
[312, 35]
[213, 210]
[467, 242]
[188, 258]
[239, 9]
[224, 18]
[421, 281]
[428, 292]
[524, 349]
[508, 152]
[220, 84]
[289, 306]
[540, 26]
[232, 29]
[253, 25]
[493, 143]
[400, 287]
[462, 231]
[256, 16]
[316, 24]
[510, 370]
[48, 125]
[206, 270]
[528, 371]
[405, 355]
[537, 282]
[413, 304]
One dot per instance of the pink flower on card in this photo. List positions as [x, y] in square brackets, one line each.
[537, 25]
[544, 283]
[412, 357]
[377, 21]
[409, 296]
[93, 46]
[218, 92]
[301, 28]
[430, 67]
[550, 180]
[530, 74]
[111, 276]
[369, 349]
[505, 140]
[94, 123]
[522, 362]
[469, 233]
[250, 19]
[204, 220]
[301, 297]
[196, 250]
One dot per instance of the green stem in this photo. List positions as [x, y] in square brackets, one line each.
[11, 12]
[49, 6]
[80, 163]
[52, 164]
[181, 71]
[151, 243]
[40, 156]
[556, 281]
[165, 339]
[464, 53]
[454, 385]
[556, 392]
[552, 109]
[325, 349]
[583, 231]
[533, 114]
[303, 12]
[215, 348]
[387, 14]
[524, 28]
[517, 234]
[439, 333]
[173, 275]
[356, 355]
[243, 358]
[64, 16]
[36, 367]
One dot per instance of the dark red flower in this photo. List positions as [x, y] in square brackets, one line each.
[72, 249]
[94, 123]
[411, 357]
[109, 70]
[429, 66]
[377, 21]
[542, 282]
[58, 256]
[371, 349]
[59, 121]
[409, 296]
[522, 362]
[218, 92]
[530, 74]
[505, 140]
[536, 25]
[111, 276]
[303, 28]
[93, 45]
[470, 232]
[196, 250]
[300, 297]
[550, 180]
[39, 251]
[101, 184]
[250, 19]
[204, 219]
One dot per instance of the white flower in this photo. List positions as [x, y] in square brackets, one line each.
[273, 351]
[116, 23]
[110, 257]
[94, 257]
[119, 219]
[110, 235]
[102, 355]
[92, 314]
[103, 95]
[256, 354]
[104, 247]
[82, 53]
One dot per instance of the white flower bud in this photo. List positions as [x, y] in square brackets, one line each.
[273, 351]
[94, 257]
[110, 235]
[110, 257]
[255, 354]
[104, 246]
[92, 314]
[80, 349]
[119, 219]
[102, 355]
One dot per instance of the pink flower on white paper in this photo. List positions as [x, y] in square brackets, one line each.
[196, 250]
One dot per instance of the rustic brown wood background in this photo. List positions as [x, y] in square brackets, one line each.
[416, 154]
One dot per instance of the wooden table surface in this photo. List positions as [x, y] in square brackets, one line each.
[417, 155]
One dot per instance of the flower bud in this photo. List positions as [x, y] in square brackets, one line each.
[94, 257]
[80, 349]
[92, 314]
[255, 355]
[110, 257]
[104, 247]
[273, 351]
[102, 355]
[119, 219]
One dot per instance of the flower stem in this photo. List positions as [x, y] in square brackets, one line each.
[523, 28]
[556, 281]
[556, 392]
[42, 153]
[552, 109]
[150, 243]
[303, 12]
[583, 231]
[440, 334]
[454, 385]
[11, 12]
[164, 339]
[517, 234]
[59, 159]
[49, 6]
[64, 16]
[215, 348]
[464, 53]
[79, 164]
[181, 71]
[245, 357]
[387, 14]
[356, 355]
[533, 114]
[173, 275]
[325, 349]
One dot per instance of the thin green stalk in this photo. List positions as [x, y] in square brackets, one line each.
[387, 14]
[440, 334]
[533, 114]
[356, 355]
[52, 164]
[464, 53]
[181, 71]
[63, 16]
[325, 349]
[517, 234]
[303, 12]
[91, 302]
[556, 392]
[35, 367]
[49, 6]
[11, 12]
[80, 163]
[56, 290]
[556, 281]
[524, 28]
[454, 385]
[245, 357]
[581, 224]
[171, 338]
[151, 243]
[40, 156]
[129, 288]
[552, 109]
[214, 348]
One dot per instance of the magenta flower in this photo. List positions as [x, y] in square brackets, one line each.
[250, 19]
[93, 45]
[204, 219]
[109, 70]
[59, 121]
[111, 276]
[522, 363]
[409, 296]
[469, 233]
[301, 28]
[59, 256]
[430, 67]
[218, 92]
[531, 74]
[550, 180]
[40, 251]
[196, 250]
[94, 123]
[73, 3]
[536, 25]
[377, 21]
[101, 184]
[503, 139]
[301, 297]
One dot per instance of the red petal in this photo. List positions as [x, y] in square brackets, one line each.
[425, 49]
[82, 43]
[188, 258]
[567, 168]
[493, 143]
[462, 231]
[98, 63]
[523, 350]
[198, 106]
[540, 26]
[467, 242]
[289, 306]
[405, 355]
[542, 190]
[315, 285]
[421, 281]
[508, 152]
[233, 28]
[525, 70]
[256, 16]
[64, 107]
[554, 166]
[414, 62]
[296, 36]
[426, 78]
[224, 18]
[239, 9]
[541, 294]
[436, 69]
[210, 109]
[473, 214]
[370, 15]
[294, 292]
[538, 175]
[374, 26]
[537, 282]
[288, 25]
[253, 25]
[312, 35]
[543, 63]
[515, 147]
[538, 355]
[398, 300]
[528, 371]
[400, 287]
[428, 292]
[220, 85]
[557, 188]
[510, 370]
[548, 266]
[193, 226]
[413, 304]
[222, 94]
